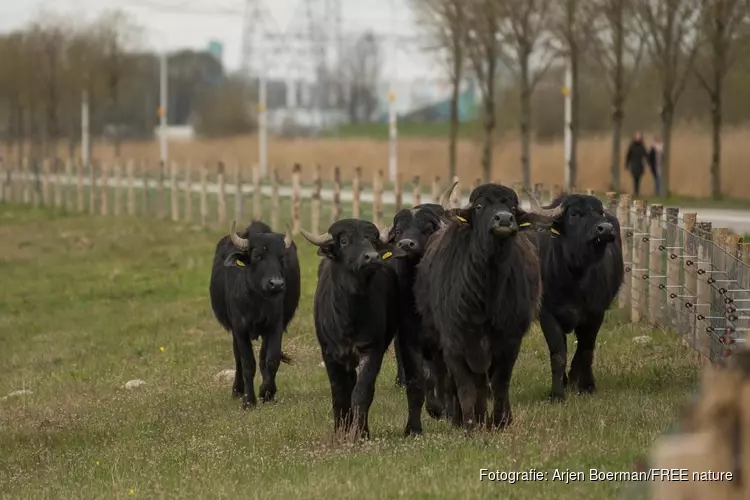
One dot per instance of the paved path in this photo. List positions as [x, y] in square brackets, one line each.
[736, 220]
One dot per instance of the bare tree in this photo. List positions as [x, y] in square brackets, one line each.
[445, 22]
[525, 24]
[722, 23]
[619, 49]
[670, 28]
[484, 49]
[361, 72]
[572, 27]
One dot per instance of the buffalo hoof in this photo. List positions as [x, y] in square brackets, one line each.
[435, 411]
[248, 402]
[505, 420]
[587, 388]
[413, 430]
[556, 397]
[267, 394]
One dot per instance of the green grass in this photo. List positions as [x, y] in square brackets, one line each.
[86, 303]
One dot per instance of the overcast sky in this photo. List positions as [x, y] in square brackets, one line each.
[192, 23]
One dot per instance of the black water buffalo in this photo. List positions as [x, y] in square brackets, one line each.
[416, 358]
[255, 290]
[582, 270]
[356, 311]
[478, 288]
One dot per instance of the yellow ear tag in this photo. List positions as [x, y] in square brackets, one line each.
[525, 224]
[554, 231]
[240, 263]
[460, 218]
[387, 255]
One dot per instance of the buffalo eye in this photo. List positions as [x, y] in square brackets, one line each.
[575, 213]
[478, 206]
[397, 233]
[343, 240]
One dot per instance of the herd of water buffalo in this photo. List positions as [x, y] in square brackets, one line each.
[455, 290]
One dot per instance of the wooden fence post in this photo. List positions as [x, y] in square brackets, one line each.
[719, 260]
[118, 188]
[315, 214]
[25, 181]
[638, 268]
[416, 192]
[105, 189]
[222, 202]
[188, 192]
[656, 276]
[204, 195]
[275, 206]
[257, 195]
[336, 208]
[436, 189]
[58, 184]
[92, 188]
[675, 249]
[377, 198]
[67, 195]
[398, 193]
[689, 260]
[174, 197]
[296, 171]
[45, 182]
[79, 186]
[735, 273]
[238, 193]
[144, 181]
[131, 187]
[703, 302]
[356, 191]
[160, 209]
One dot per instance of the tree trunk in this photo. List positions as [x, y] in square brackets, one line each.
[453, 138]
[667, 119]
[617, 117]
[574, 120]
[716, 125]
[525, 120]
[489, 129]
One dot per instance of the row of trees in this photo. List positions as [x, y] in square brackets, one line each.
[676, 40]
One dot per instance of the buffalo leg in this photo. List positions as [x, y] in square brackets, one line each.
[466, 389]
[342, 383]
[400, 374]
[581, 369]
[270, 354]
[435, 381]
[411, 358]
[238, 387]
[502, 371]
[364, 390]
[248, 369]
[555, 338]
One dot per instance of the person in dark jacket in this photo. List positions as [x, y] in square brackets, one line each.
[635, 161]
[654, 161]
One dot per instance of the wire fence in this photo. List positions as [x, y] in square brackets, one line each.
[682, 276]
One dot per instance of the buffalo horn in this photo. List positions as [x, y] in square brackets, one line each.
[384, 233]
[445, 199]
[288, 237]
[238, 241]
[317, 240]
[536, 207]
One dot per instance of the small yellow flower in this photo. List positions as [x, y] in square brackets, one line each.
[132, 492]
[97, 462]
[161, 348]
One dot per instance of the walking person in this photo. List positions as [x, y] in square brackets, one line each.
[654, 161]
[635, 159]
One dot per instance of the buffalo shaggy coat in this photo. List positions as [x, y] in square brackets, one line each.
[478, 288]
[255, 290]
[415, 356]
[356, 311]
[582, 270]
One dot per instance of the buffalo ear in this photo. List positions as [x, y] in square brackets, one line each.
[528, 220]
[461, 215]
[235, 259]
[327, 250]
[388, 251]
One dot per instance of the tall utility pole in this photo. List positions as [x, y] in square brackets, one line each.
[253, 27]
[568, 93]
[163, 107]
[392, 115]
[334, 14]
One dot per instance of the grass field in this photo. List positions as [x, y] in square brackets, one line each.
[427, 156]
[88, 303]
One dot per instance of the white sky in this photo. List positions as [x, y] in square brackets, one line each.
[169, 23]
